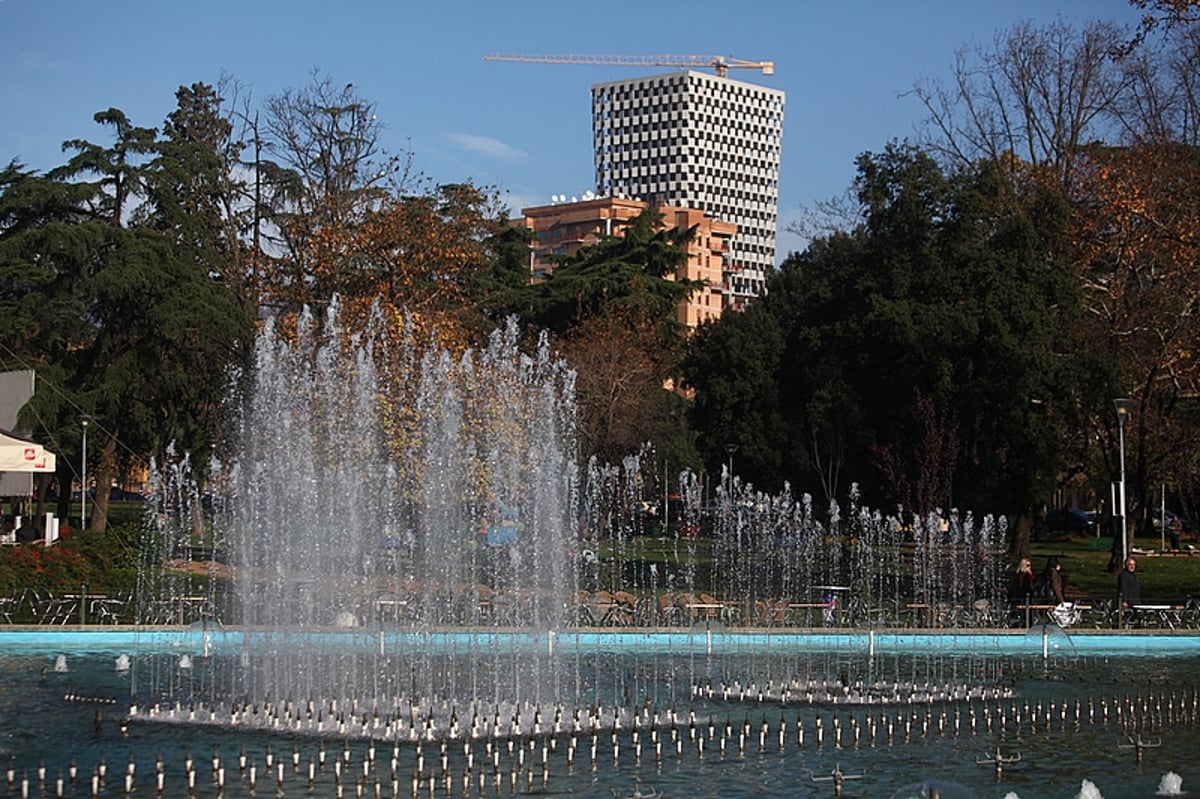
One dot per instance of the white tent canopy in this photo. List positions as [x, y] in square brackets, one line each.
[21, 455]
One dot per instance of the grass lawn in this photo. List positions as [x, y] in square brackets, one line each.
[1169, 579]
[1165, 578]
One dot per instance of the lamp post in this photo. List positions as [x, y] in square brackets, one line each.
[730, 449]
[84, 421]
[1123, 406]
[730, 505]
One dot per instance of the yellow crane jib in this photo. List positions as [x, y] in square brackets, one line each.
[721, 64]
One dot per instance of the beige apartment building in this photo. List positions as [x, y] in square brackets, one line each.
[564, 228]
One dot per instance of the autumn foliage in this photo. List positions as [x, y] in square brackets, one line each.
[1136, 229]
[413, 258]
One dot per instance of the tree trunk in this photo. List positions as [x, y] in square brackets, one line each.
[41, 482]
[106, 472]
[1021, 535]
[64, 477]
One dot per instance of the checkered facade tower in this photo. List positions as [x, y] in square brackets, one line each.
[700, 141]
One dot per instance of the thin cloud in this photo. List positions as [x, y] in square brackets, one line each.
[515, 201]
[486, 145]
[35, 61]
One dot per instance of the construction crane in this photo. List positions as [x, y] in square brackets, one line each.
[722, 64]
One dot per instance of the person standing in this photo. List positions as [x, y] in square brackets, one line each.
[1023, 583]
[1174, 531]
[1129, 591]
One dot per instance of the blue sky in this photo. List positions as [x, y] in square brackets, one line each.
[524, 128]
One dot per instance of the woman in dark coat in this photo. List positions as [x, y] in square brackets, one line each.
[1051, 580]
[1022, 589]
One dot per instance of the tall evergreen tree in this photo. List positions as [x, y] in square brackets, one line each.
[733, 366]
[116, 170]
[922, 355]
[143, 331]
[49, 250]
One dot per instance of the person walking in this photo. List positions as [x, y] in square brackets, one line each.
[1129, 591]
[1064, 613]
[1021, 593]
[1050, 582]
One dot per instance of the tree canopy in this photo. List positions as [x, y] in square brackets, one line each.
[917, 354]
[955, 340]
[116, 297]
[1110, 122]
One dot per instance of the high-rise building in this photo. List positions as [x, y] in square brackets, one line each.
[695, 140]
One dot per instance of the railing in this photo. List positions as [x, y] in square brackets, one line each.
[36, 606]
[625, 609]
[30, 606]
[604, 609]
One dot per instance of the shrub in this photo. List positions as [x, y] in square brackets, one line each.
[102, 561]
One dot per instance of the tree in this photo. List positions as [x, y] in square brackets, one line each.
[635, 271]
[1111, 125]
[194, 194]
[159, 363]
[144, 333]
[118, 168]
[619, 389]
[806, 297]
[619, 294]
[48, 249]
[1137, 253]
[507, 267]
[732, 369]
[969, 303]
[327, 175]
[933, 335]
[350, 220]
[921, 472]
[1165, 15]
[112, 199]
[1037, 96]
[424, 255]
[1161, 100]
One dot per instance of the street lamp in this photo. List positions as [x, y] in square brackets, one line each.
[731, 448]
[84, 421]
[1123, 406]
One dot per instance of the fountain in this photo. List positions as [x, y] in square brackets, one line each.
[436, 496]
[406, 619]
[403, 528]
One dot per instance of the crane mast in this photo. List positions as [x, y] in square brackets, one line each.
[718, 63]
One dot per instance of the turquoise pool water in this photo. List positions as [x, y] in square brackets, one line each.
[1075, 714]
[221, 641]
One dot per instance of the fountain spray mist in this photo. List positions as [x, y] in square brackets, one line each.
[384, 487]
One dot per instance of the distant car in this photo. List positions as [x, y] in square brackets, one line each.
[214, 503]
[121, 495]
[1171, 518]
[1068, 520]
